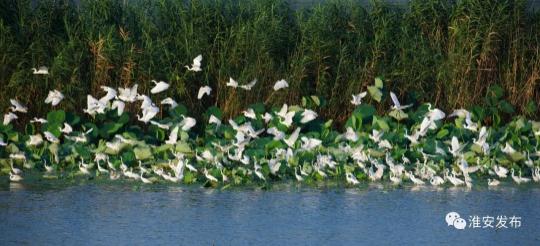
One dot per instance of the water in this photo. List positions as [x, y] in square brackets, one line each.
[130, 214]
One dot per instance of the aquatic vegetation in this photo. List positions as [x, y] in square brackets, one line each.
[406, 144]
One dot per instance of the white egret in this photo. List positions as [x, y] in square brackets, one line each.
[187, 123]
[357, 99]
[435, 114]
[214, 120]
[38, 120]
[9, 117]
[351, 179]
[508, 149]
[161, 125]
[280, 84]
[169, 101]
[84, 168]
[461, 113]
[67, 128]
[17, 106]
[397, 105]
[159, 87]
[500, 171]
[119, 106]
[519, 179]
[196, 66]
[173, 136]
[250, 113]
[493, 182]
[128, 94]
[278, 135]
[15, 177]
[2, 142]
[536, 174]
[111, 94]
[267, 117]
[250, 85]
[204, 90]
[145, 180]
[469, 124]
[310, 143]
[50, 137]
[42, 70]
[94, 106]
[455, 147]
[101, 169]
[414, 179]
[54, 97]
[34, 140]
[148, 114]
[436, 181]
[298, 177]
[307, 116]
[13, 168]
[232, 83]
[293, 137]
[351, 135]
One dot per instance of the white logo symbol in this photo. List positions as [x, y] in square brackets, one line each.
[453, 219]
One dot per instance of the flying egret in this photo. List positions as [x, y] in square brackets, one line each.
[293, 137]
[460, 113]
[169, 101]
[280, 84]
[196, 66]
[250, 85]
[159, 87]
[94, 106]
[204, 90]
[398, 105]
[54, 97]
[357, 99]
[307, 116]
[232, 83]
[267, 117]
[455, 147]
[17, 106]
[148, 114]
[111, 94]
[38, 120]
[128, 94]
[42, 70]
[9, 117]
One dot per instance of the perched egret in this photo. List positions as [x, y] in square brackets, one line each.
[187, 123]
[250, 113]
[357, 99]
[119, 106]
[38, 120]
[148, 114]
[196, 66]
[307, 116]
[42, 70]
[54, 97]
[493, 182]
[9, 117]
[35, 140]
[281, 84]
[351, 179]
[159, 87]
[169, 101]
[204, 90]
[111, 94]
[15, 177]
[2, 142]
[161, 125]
[17, 106]
[50, 137]
[351, 135]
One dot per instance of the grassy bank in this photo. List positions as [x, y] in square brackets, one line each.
[447, 52]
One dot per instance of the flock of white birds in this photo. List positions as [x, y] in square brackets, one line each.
[373, 167]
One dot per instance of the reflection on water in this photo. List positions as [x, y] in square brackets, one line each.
[129, 213]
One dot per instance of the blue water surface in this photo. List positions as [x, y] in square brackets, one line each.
[125, 213]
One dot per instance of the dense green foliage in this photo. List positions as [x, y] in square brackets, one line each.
[443, 51]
